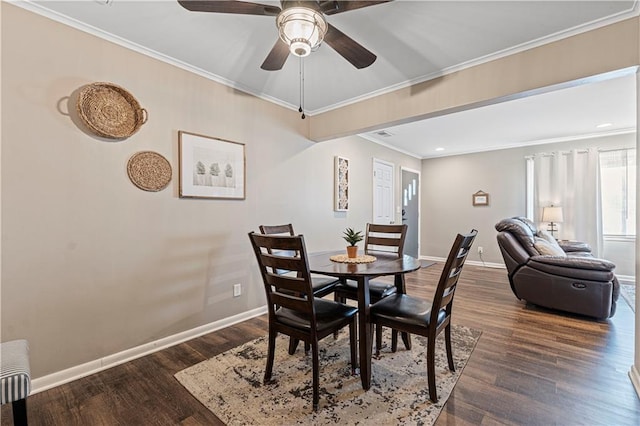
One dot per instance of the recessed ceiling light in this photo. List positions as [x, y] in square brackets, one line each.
[603, 125]
[440, 149]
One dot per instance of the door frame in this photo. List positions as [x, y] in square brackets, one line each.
[408, 169]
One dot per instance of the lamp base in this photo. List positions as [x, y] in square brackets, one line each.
[552, 228]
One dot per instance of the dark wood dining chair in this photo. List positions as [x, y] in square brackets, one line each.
[293, 308]
[322, 285]
[380, 240]
[413, 315]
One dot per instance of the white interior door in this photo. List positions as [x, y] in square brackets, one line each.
[383, 192]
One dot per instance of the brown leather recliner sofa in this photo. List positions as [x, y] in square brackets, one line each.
[560, 275]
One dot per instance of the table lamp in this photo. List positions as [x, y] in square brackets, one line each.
[553, 215]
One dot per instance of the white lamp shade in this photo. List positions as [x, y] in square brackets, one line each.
[552, 214]
[302, 29]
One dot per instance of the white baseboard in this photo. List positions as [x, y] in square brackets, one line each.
[65, 376]
[468, 262]
[626, 279]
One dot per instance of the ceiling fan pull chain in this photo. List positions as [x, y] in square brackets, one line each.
[301, 109]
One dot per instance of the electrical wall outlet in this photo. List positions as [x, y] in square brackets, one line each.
[237, 290]
[480, 250]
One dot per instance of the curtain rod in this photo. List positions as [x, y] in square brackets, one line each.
[581, 151]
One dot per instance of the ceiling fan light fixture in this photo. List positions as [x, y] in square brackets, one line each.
[302, 29]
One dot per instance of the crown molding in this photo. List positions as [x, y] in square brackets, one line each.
[386, 145]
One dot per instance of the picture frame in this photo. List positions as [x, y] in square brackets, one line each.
[211, 167]
[341, 184]
[480, 198]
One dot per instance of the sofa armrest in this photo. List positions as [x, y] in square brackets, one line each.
[574, 267]
[574, 246]
[591, 263]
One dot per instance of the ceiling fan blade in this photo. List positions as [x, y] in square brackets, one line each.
[333, 7]
[226, 6]
[348, 48]
[276, 58]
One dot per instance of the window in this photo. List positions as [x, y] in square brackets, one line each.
[530, 202]
[618, 192]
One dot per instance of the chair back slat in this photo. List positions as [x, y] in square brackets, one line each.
[286, 229]
[287, 283]
[447, 297]
[379, 241]
[277, 229]
[387, 238]
[293, 290]
[443, 298]
[290, 301]
[288, 259]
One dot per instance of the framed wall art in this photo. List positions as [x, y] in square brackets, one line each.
[341, 179]
[480, 198]
[211, 167]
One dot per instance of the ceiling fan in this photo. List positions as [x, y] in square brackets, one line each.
[302, 27]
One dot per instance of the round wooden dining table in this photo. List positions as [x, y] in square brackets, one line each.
[384, 265]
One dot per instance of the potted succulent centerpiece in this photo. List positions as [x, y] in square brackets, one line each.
[353, 238]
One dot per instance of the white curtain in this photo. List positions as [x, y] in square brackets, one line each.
[571, 180]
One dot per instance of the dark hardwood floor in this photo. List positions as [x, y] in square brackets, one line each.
[531, 366]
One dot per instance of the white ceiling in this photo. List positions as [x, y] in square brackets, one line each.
[414, 41]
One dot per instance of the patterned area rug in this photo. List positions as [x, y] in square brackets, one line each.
[628, 293]
[230, 384]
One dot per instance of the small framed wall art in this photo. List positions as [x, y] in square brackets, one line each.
[480, 198]
[211, 167]
[341, 181]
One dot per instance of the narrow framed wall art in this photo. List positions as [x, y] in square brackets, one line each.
[341, 180]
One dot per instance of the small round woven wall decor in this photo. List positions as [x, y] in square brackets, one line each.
[149, 171]
[110, 111]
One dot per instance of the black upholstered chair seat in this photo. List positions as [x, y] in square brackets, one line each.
[377, 289]
[329, 315]
[401, 308]
[323, 285]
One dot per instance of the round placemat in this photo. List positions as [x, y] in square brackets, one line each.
[110, 111]
[149, 171]
[343, 258]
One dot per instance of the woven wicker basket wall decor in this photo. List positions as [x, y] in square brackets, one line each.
[149, 171]
[110, 111]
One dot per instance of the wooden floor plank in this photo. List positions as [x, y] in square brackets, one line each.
[532, 366]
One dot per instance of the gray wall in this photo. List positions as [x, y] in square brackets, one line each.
[92, 265]
[449, 182]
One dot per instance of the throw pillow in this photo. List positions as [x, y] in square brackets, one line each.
[545, 248]
[547, 236]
